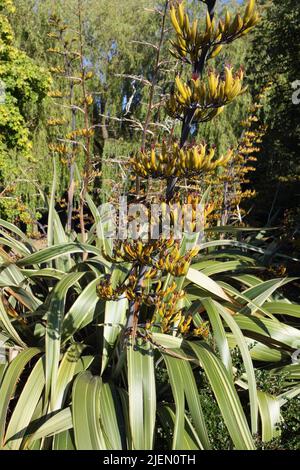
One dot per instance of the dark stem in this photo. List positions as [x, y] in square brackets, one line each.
[71, 188]
[152, 88]
[134, 304]
[72, 170]
[87, 148]
[189, 116]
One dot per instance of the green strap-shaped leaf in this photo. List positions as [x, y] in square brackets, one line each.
[9, 382]
[251, 304]
[243, 346]
[86, 412]
[17, 246]
[142, 395]
[244, 246]
[217, 267]
[267, 288]
[176, 381]
[25, 406]
[55, 424]
[288, 395]
[114, 320]
[26, 297]
[283, 308]
[12, 228]
[64, 440]
[265, 327]
[43, 273]
[219, 333]
[54, 252]
[123, 394]
[111, 418]
[248, 280]
[65, 374]
[51, 207]
[2, 371]
[64, 263]
[11, 275]
[226, 397]
[194, 404]
[259, 351]
[269, 408]
[203, 281]
[103, 243]
[82, 311]
[221, 385]
[184, 386]
[261, 293]
[7, 325]
[291, 371]
[53, 331]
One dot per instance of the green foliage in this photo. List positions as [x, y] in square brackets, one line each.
[49, 309]
[291, 426]
[25, 86]
[216, 428]
[274, 59]
[116, 55]
[217, 374]
[123, 51]
[227, 131]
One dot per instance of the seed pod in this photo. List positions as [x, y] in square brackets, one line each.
[216, 51]
[174, 21]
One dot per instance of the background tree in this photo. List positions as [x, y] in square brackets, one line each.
[274, 59]
[115, 31]
[214, 343]
[123, 65]
[25, 86]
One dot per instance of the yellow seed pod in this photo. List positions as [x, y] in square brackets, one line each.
[253, 21]
[181, 88]
[249, 11]
[185, 268]
[181, 43]
[89, 100]
[213, 82]
[228, 80]
[158, 288]
[240, 23]
[216, 51]
[235, 90]
[221, 26]
[194, 252]
[216, 112]
[153, 159]
[196, 158]
[151, 273]
[186, 25]
[227, 20]
[174, 21]
[180, 12]
[194, 30]
[208, 21]
[89, 75]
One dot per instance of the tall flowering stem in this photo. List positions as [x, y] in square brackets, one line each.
[155, 282]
